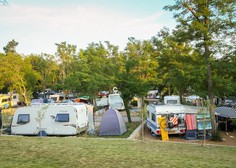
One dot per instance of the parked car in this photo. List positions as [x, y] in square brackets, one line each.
[103, 94]
[116, 102]
[228, 102]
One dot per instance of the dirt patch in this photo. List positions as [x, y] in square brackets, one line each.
[229, 138]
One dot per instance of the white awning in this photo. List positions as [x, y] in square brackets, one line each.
[226, 112]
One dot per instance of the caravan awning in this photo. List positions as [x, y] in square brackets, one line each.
[226, 112]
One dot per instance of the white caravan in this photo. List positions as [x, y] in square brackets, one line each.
[115, 101]
[51, 119]
[174, 113]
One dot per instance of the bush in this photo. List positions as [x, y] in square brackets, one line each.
[234, 123]
[216, 136]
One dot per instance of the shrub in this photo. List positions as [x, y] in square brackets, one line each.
[216, 136]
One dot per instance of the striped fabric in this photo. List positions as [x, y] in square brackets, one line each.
[174, 120]
[190, 122]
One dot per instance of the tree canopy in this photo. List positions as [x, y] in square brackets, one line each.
[207, 24]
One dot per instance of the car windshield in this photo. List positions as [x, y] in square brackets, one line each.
[115, 99]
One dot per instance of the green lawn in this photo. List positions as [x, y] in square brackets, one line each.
[33, 152]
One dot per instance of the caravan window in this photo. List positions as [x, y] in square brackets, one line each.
[171, 102]
[4, 100]
[23, 118]
[153, 117]
[62, 118]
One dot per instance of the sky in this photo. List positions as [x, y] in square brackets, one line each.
[38, 24]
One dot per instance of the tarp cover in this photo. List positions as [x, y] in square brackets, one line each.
[226, 112]
[112, 123]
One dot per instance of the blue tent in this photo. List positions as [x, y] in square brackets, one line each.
[112, 123]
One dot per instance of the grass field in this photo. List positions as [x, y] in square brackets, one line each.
[36, 152]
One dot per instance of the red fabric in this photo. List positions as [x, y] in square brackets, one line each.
[190, 122]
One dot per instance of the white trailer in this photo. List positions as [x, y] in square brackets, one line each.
[115, 101]
[174, 114]
[51, 119]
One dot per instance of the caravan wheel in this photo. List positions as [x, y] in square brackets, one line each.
[153, 134]
[42, 133]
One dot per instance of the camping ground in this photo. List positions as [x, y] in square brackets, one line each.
[18, 151]
[229, 138]
[24, 151]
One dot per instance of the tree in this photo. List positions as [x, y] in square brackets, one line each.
[46, 68]
[95, 70]
[1, 75]
[3, 2]
[18, 75]
[136, 72]
[205, 22]
[10, 47]
[224, 75]
[179, 67]
[66, 53]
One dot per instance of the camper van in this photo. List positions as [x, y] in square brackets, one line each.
[50, 119]
[173, 113]
[4, 101]
[115, 101]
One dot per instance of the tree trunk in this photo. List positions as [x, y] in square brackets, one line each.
[181, 96]
[126, 103]
[211, 97]
[209, 82]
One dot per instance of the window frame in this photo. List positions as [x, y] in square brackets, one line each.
[153, 117]
[62, 114]
[20, 121]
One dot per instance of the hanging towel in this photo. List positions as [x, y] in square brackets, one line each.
[190, 122]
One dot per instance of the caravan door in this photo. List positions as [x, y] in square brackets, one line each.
[24, 121]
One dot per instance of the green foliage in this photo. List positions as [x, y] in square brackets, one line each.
[18, 75]
[234, 123]
[45, 69]
[137, 70]
[224, 76]
[10, 47]
[216, 136]
[66, 54]
[210, 25]
[180, 65]
[95, 68]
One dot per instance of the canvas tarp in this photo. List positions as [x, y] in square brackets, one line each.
[226, 112]
[91, 129]
[112, 123]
